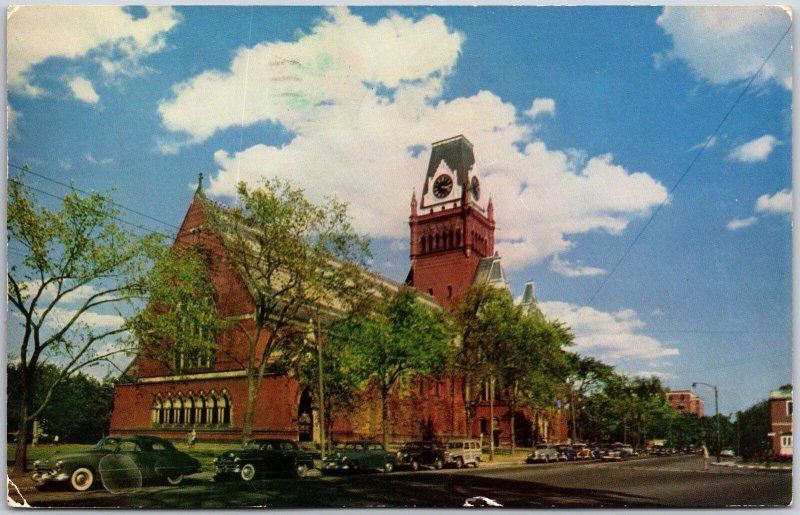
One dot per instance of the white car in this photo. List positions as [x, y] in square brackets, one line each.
[727, 453]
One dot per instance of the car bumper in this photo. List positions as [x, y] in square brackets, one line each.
[42, 476]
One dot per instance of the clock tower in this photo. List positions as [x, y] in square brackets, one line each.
[452, 230]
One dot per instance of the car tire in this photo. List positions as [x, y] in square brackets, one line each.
[388, 467]
[174, 480]
[414, 465]
[547, 459]
[460, 463]
[355, 466]
[300, 469]
[438, 464]
[81, 479]
[476, 462]
[248, 472]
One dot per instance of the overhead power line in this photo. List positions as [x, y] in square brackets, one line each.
[687, 170]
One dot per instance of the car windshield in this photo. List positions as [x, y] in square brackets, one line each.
[542, 446]
[455, 445]
[353, 447]
[252, 445]
[413, 446]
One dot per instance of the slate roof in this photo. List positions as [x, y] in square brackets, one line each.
[490, 271]
[457, 153]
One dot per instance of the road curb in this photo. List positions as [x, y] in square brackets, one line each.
[752, 467]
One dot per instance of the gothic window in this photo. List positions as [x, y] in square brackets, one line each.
[458, 237]
[449, 291]
[213, 414]
[436, 241]
[422, 243]
[190, 411]
[450, 239]
[202, 414]
[179, 411]
[226, 409]
[156, 416]
[170, 415]
[484, 426]
[430, 243]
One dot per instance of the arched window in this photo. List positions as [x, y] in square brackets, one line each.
[188, 405]
[179, 410]
[450, 239]
[170, 418]
[430, 243]
[213, 414]
[422, 244]
[156, 416]
[458, 237]
[224, 410]
[436, 241]
[200, 408]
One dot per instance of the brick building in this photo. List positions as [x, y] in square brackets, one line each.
[686, 401]
[780, 419]
[452, 246]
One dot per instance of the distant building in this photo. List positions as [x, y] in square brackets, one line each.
[780, 418]
[686, 401]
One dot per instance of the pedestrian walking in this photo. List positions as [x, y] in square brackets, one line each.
[704, 456]
[55, 440]
[192, 437]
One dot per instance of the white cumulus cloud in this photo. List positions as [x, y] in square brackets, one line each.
[611, 337]
[741, 223]
[542, 106]
[83, 90]
[778, 204]
[567, 269]
[114, 37]
[358, 96]
[755, 151]
[730, 43]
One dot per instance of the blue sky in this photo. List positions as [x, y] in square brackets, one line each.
[583, 120]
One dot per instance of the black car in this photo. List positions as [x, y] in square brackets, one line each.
[263, 456]
[425, 454]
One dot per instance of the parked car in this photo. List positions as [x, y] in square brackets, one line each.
[360, 455]
[426, 454]
[727, 453]
[155, 458]
[543, 452]
[463, 452]
[582, 451]
[263, 456]
[566, 452]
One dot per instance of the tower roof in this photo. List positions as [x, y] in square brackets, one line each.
[456, 152]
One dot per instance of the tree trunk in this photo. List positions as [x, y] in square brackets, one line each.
[491, 419]
[384, 416]
[513, 430]
[21, 454]
[252, 391]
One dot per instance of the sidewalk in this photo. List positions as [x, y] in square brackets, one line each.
[781, 468]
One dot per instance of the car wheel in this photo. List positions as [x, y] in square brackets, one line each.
[388, 467]
[355, 466]
[82, 479]
[459, 463]
[300, 470]
[476, 462]
[248, 472]
[414, 465]
[175, 480]
[547, 459]
[438, 464]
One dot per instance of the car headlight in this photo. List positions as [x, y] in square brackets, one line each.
[59, 464]
[36, 463]
[236, 459]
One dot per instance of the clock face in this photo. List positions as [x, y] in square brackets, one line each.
[442, 186]
[476, 188]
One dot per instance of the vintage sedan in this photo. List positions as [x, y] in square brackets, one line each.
[263, 456]
[543, 452]
[146, 457]
[426, 454]
[360, 456]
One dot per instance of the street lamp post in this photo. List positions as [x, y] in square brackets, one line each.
[716, 413]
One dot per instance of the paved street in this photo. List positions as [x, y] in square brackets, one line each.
[645, 482]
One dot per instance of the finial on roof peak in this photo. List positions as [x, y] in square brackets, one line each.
[199, 190]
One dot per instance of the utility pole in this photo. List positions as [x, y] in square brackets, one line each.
[716, 413]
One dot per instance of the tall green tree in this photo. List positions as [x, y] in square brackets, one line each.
[79, 265]
[391, 339]
[79, 410]
[294, 256]
[585, 376]
[181, 318]
[754, 425]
